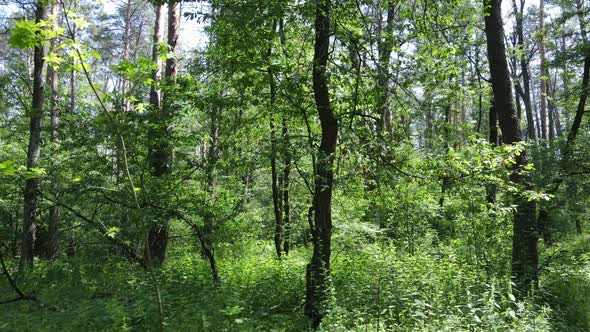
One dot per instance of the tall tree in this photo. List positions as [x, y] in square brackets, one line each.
[54, 212]
[161, 156]
[31, 192]
[318, 270]
[524, 68]
[276, 184]
[543, 78]
[155, 93]
[524, 242]
[385, 47]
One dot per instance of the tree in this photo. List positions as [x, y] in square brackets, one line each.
[524, 239]
[54, 211]
[318, 270]
[32, 184]
[524, 68]
[161, 155]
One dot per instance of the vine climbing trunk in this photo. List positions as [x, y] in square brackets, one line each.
[32, 184]
[524, 242]
[318, 270]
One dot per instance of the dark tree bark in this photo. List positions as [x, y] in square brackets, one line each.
[286, 184]
[73, 73]
[571, 137]
[31, 191]
[277, 202]
[524, 243]
[161, 155]
[318, 270]
[287, 160]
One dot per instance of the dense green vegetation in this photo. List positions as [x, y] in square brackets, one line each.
[238, 165]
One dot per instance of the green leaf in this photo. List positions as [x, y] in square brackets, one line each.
[7, 168]
[112, 231]
[25, 35]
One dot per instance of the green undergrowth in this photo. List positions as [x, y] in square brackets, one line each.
[375, 288]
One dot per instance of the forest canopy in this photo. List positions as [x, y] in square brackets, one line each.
[290, 165]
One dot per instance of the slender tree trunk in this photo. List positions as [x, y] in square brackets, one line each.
[123, 102]
[155, 93]
[286, 184]
[536, 112]
[54, 213]
[491, 189]
[565, 163]
[161, 157]
[276, 190]
[550, 114]
[543, 79]
[445, 180]
[73, 78]
[524, 244]
[211, 173]
[126, 51]
[580, 110]
[318, 270]
[276, 185]
[524, 69]
[581, 20]
[385, 46]
[31, 191]
[287, 160]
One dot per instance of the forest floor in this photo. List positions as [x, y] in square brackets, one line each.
[376, 288]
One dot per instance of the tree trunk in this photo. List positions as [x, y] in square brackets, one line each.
[161, 157]
[73, 78]
[491, 189]
[543, 79]
[385, 46]
[518, 13]
[155, 97]
[211, 173]
[31, 191]
[286, 160]
[571, 137]
[524, 244]
[581, 21]
[276, 190]
[565, 162]
[286, 183]
[54, 213]
[318, 270]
